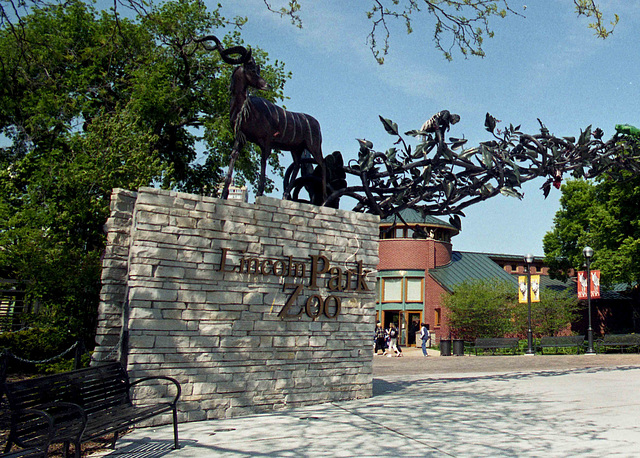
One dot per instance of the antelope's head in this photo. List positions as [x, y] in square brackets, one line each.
[247, 68]
[251, 73]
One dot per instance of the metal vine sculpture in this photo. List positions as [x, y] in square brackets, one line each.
[437, 177]
[443, 178]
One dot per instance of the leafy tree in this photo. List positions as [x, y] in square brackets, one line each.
[490, 308]
[90, 101]
[554, 313]
[604, 215]
[564, 243]
[481, 308]
[464, 23]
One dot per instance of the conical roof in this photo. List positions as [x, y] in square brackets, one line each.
[411, 216]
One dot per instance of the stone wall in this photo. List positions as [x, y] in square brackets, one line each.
[250, 306]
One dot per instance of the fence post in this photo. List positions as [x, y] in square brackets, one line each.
[4, 363]
[77, 362]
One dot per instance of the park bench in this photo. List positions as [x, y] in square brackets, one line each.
[621, 341]
[83, 405]
[36, 435]
[561, 342]
[495, 343]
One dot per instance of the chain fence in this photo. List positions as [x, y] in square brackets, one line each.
[110, 356]
[9, 353]
[78, 346]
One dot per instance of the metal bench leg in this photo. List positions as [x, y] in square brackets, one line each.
[176, 445]
[115, 438]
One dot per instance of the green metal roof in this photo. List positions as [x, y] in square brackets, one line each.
[623, 287]
[466, 266]
[556, 285]
[559, 285]
[412, 216]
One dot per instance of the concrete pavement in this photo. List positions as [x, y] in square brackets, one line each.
[499, 406]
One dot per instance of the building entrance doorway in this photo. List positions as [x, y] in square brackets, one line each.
[407, 322]
[413, 320]
[391, 316]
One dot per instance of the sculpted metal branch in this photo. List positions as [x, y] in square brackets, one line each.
[438, 177]
[443, 178]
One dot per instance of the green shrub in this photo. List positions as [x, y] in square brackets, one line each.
[481, 308]
[34, 344]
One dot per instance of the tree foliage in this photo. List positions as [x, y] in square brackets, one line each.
[481, 308]
[93, 100]
[605, 216]
[490, 308]
[551, 316]
[457, 24]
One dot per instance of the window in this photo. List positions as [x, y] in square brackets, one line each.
[399, 232]
[401, 289]
[392, 290]
[414, 290]
[437, 317]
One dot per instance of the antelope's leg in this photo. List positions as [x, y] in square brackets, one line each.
[317, 155]
[323, 170]
[263, 170]
[232, 161]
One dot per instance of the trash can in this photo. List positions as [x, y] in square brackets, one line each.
[458, 347]
[445, 347]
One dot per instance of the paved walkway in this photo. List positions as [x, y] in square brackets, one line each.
[524, 406]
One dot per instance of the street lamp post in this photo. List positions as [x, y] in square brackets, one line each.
[528, 259]
[588, 254]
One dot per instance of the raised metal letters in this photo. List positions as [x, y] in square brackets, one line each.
[339, 280]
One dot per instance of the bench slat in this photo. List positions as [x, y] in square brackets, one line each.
[110, 421]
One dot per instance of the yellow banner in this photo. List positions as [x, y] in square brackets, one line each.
[522, 288]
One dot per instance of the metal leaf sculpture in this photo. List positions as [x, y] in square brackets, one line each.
[440, 177]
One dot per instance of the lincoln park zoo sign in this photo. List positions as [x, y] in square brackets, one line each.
[299, 275]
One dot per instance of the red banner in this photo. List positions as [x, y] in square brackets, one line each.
[595, 284]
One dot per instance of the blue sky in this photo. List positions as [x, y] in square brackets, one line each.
[546, 65]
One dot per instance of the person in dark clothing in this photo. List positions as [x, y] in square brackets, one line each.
[393, 340]
[380, 337]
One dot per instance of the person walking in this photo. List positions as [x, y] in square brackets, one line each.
[393, 340]
[380, 338]
[424, 335]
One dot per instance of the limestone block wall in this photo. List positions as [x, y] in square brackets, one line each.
[250, 306]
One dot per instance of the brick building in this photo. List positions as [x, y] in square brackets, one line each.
[411, 247]
[418, 265]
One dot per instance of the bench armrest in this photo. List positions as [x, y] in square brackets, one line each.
[65, 410]
[18, 419]
[38, 412]
[70, 419]
[161, 377]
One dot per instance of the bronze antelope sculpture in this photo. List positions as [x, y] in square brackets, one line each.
[259, 121]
